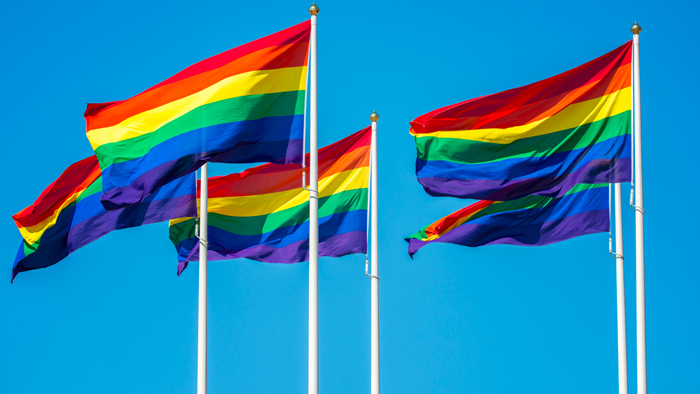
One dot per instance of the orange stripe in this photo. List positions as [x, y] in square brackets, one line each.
[539, 110]
[354, 159]
[456, 219]
[75, 179]
[248, 182]
[34, 220]
[292, 55]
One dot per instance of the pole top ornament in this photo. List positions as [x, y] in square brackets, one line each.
[636, 29]
[313, 10]
[374, 117]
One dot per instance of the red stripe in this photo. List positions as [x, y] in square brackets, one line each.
[295, 34]
[522, 105]
[287, 48]
[75, 178]
[350, 152]
[509, 116]
[445, 224]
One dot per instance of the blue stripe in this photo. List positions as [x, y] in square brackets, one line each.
[272, 133]
[554, 220]
[91, 206]
[550, 209]
[526, 234]
[86, 221]
[53, 245]
[338, 223]
[526, 168]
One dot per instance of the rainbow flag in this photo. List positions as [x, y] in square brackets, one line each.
[245, 105]
[540, 138]
[533, 220]
[69, 215]
[263, 213]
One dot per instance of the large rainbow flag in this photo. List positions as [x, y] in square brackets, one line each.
[532, 220]
[245, 105]
[540, 138]
[69, 215]
[263, 213]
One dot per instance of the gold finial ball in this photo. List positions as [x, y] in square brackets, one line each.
[636, 29]
[374, 117]
[313, 10]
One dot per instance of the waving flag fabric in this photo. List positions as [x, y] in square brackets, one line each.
[540, 138]
[68, 214]
[532, 220]
[263, 213]
[242, 106]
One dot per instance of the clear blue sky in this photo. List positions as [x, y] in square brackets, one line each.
[114, 318]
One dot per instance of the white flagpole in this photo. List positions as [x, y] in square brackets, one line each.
[621, 322]
[639, 215]
[202, 323]
[313, 211]
[375, 258]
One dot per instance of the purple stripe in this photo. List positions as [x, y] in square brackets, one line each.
[156, 211]
[334, 246]
[596, 171]
[61, 239]
[149, 182]
[473, 235]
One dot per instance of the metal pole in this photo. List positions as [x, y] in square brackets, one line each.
[313, 211]
[202, 323]
[375, 258]
[639, 215]
[621, 322]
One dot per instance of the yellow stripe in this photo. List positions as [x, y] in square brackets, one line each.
[32, 234]
[178, 220]
[458, 223]
[570, 117]
[265, 204]
[244, 84]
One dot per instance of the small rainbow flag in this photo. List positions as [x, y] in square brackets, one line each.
[532, 220]
[540, 138]
[69, 215]
[245, 105]
[263, 213]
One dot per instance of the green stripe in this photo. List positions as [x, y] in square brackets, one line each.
[29, 249]
[421, 235]
[221, 112]
[182, 231]
[529, 202]
[475, 152]
[94, 188]
[532, 201]
[345, 201]
[585, 186]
